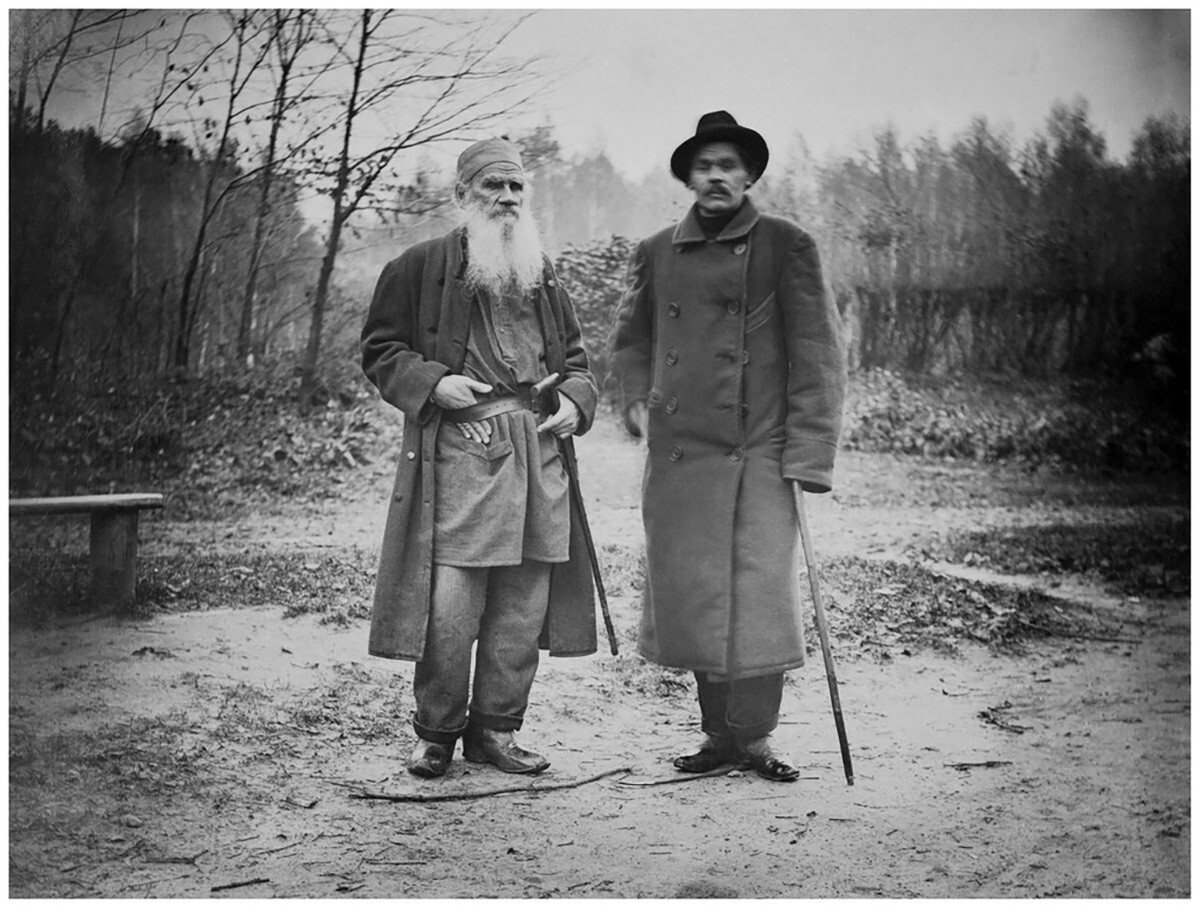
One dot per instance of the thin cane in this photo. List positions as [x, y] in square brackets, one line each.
[823, 631]
[567, 446]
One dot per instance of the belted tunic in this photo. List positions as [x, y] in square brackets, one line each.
[417, 332]
[507, 501]
[738, 352]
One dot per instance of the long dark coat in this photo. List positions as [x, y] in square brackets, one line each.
[416, 333]
[738, 352]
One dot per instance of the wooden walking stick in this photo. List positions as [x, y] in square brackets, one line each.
[822, 631]
[567, 448]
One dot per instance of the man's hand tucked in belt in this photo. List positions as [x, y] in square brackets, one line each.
[454, 392]
[565, 421]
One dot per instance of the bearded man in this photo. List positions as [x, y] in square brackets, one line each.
[732, 366]
[482, 541]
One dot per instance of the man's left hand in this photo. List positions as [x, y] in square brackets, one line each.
[564, 422]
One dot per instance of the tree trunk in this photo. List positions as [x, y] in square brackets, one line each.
[184, 307]
[136, 229]
[250, 293]
[308, 374]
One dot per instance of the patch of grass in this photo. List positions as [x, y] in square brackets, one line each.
[146, 754]
[43, 584]
[337, 586]
[351, 707]
[874, 604]
[887, 603]
[1148, 558]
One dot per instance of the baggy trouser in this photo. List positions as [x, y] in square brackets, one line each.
[502, 608]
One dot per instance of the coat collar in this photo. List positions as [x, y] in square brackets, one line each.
[689, 231]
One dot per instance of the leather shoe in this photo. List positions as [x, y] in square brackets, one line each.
[713, 753]
[763, 759]
[483, 745]
[429, 759]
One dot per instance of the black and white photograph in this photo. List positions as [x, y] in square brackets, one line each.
[609, 453]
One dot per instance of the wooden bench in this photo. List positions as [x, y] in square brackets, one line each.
[113, 549]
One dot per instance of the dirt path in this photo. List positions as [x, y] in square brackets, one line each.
[176, 756]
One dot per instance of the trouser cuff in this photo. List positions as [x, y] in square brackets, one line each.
[715, 728]
[761, 729]
[437, 735]
[494, 723]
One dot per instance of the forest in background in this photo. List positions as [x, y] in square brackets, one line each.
[177, 249]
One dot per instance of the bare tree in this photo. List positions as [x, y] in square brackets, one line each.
[53, 47]
[418, 79]
[248, 49]
[291, 34]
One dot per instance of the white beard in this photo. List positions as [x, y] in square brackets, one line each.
[502, 254]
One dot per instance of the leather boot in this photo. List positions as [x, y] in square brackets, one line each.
[713, 753]
[759, 753]
[482, 745]
[429, 759]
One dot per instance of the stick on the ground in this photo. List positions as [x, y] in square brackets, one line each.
[253, 882]
[689, 776]
[470, 795]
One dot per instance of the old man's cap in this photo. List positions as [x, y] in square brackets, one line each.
[488, 153]
[720, 126]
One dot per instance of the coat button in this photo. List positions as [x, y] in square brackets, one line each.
[411, 455]
[672, 405]
[676, 452]
[736, 454]
[672, 357]
[734, 307]
[672, 311]
[739, 249]
[745, 357]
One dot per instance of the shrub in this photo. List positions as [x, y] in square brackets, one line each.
[1082, 424]
[594, 276]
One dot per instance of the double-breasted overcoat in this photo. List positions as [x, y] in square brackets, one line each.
[416, 333]
[738, 352]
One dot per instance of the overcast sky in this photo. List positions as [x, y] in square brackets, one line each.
[635, 82]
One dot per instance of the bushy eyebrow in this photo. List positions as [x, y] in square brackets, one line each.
[498, 182]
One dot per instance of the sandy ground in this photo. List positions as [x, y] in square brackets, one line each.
[225, 752]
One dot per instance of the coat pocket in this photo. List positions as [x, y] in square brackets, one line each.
[452, 443]
[762, 313]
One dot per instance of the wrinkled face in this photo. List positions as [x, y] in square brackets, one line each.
[498, 192]
[719, 178]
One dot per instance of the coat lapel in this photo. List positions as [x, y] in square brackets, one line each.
[454, 316]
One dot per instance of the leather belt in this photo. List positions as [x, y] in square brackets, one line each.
[494, 406]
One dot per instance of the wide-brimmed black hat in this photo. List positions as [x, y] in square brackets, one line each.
[720, 126]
